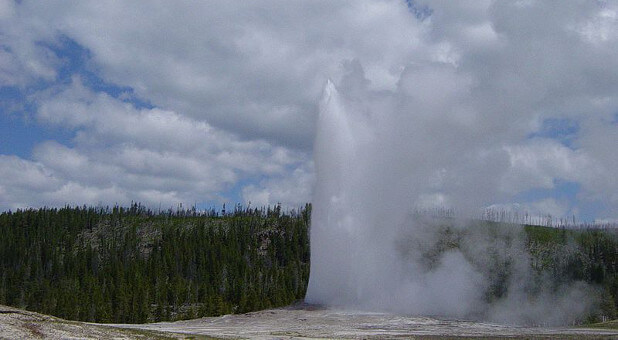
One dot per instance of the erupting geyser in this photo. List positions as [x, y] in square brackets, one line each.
[370, 251]
[360, 215]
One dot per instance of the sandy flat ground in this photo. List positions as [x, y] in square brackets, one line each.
[307, 323]
[21, 324]
[301, 322]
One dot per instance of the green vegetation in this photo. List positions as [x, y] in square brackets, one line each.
[130, 265]
[538, 262]
[604, 325]
[589, 255]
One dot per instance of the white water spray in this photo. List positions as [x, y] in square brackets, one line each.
[360, 212]
[369, 251]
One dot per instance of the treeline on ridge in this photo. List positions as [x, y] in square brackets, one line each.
[132, 265]
[526, 260]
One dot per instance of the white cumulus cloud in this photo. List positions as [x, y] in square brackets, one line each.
[231, 93]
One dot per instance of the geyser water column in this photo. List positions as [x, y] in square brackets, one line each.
[330, 231]
[351, 263]
[361, 229]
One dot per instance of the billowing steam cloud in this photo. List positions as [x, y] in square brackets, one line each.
[371, 251]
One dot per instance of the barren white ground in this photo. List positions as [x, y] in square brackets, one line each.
[21, 324]
[289, 323]
[285, 323]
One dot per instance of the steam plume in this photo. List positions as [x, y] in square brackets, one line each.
[370, 251]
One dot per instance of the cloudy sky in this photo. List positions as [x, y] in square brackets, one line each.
[167, 102]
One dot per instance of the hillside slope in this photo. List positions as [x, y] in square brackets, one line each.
[129, 265]
[132, 265]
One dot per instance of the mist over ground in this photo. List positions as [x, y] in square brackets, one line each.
[375, 152]
[501, 104]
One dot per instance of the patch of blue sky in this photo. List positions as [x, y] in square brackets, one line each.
[234, 194]
[19, 130]
[563, 130]
[77, 60]
[590, 210]
[421, 12]
[209, 205]
[563, 191]
[231, 196]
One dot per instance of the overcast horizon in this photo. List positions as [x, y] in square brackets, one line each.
[215, 102]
